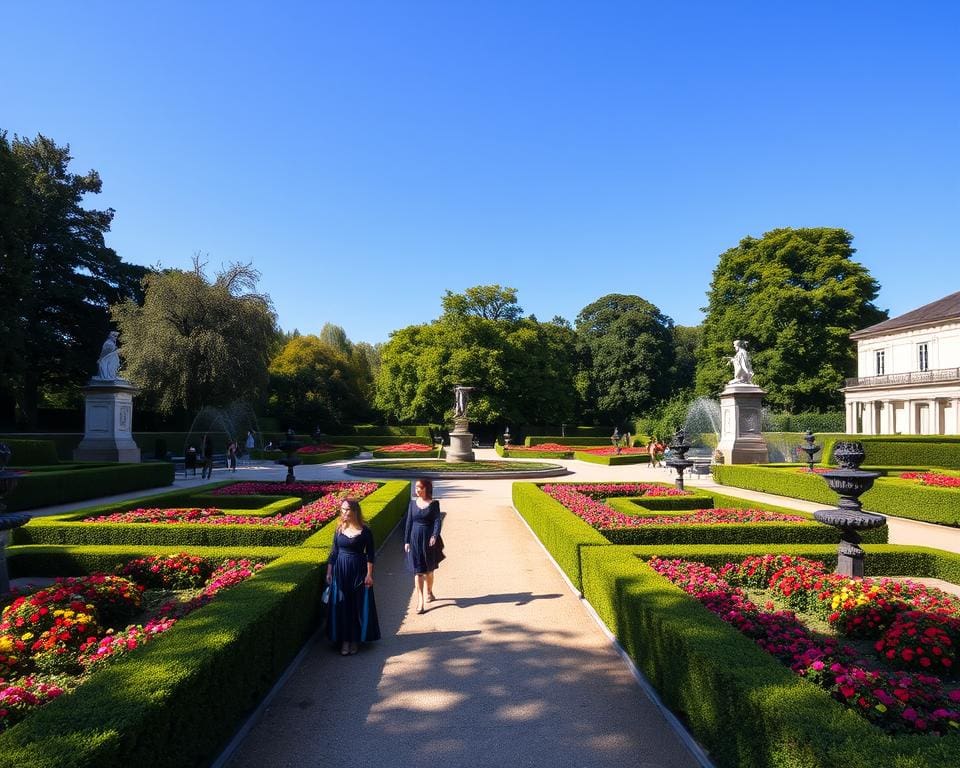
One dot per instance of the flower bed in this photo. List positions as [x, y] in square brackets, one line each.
[582, 500]
[310, 516]
[903, 686]
[935, 479]
[317, 448]
[53, 638]
[405, 448]
[267, 488]
[612, 451]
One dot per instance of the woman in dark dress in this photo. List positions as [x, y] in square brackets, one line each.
[421, 540]
[351, 610]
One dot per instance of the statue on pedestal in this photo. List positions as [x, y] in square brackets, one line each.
[742, 370]
[108, 364]
[461, 396]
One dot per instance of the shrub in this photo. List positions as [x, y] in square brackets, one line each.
[30, 453]
[47, 489]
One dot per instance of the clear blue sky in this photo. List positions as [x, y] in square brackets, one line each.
[367, 156]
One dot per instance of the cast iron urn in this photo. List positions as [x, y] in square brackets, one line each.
[849, 482]
[290, 446]
[678, 455]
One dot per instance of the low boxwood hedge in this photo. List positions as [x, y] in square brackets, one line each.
[612, 460]
[909, 450]
[371, 441]
[526, 454]
[347, 452]
[562, 533]
[175, 702]
[745, 707]
[47, 489]
[68, 528]
[30, 453]
[888, 496]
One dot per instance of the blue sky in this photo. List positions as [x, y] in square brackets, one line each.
[368, 156]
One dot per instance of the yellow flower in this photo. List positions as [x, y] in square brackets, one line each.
[26, 636]
[6, 644]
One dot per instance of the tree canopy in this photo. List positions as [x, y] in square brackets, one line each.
[628, 351]
[316, 384]
[195, 342]
[491, 302]
[524, 370]
[795, 296]
[57, 274]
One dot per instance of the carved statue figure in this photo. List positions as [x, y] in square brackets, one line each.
[742, 370]
[108, 365]
[461, 396]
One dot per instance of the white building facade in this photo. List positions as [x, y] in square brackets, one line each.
[908, 374]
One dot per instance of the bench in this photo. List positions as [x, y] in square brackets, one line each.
[701, 465]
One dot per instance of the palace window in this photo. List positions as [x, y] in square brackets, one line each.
[924, 357]
[880, 363]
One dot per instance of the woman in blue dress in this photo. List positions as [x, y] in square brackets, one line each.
[351, 610]
[421, 540]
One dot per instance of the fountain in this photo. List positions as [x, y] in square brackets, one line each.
[849, 482]
[678, 455]
[810, 448]
[232, 421]
[8, 481]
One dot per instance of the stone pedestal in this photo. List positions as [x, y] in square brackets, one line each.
[461, 442]
[108, 422]
[741, 441]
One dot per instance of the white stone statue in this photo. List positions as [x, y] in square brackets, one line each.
[742, 370]
[461, 396]
[108, 365]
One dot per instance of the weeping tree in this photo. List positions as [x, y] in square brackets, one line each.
[195, 341]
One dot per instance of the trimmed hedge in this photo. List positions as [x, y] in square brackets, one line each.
[903, 450]
[152, 708]
[505, 452]
[371, 441]
[428, 452]
[47, 489]
[68, 530]
[562, 533]
[888, 496]
[31, 453]
[81, 560]
[613, 460]
[418, 430]
[309, 458]
[747, 709]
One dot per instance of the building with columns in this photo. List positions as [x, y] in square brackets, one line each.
[908, 374]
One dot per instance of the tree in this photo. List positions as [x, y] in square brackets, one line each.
[315, 384]
[336, 337]
[491, 302]
[58, 275]
[686, 339]
[628, 353]
[795, 296]
[523, 369]
[194, 342]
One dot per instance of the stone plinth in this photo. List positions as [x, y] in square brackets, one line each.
[461, 447]
[108, 422]
[741, 440]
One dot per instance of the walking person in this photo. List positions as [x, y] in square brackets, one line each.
[190, 461]
[351, 609]
[207, 471]
[250, 443]
[232, 455]
[653, 450]
[421, 540]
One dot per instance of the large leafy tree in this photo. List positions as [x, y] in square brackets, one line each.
[628, 348]
[316, 384]
[523, 369]
[196, 342]
[57, 274]
[794, 295]
[491, 302]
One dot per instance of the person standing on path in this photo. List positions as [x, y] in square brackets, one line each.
[251, 442]
[232, 455]
[351, 609]
[206, 473]
[421, 540]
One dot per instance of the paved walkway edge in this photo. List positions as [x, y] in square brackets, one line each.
[693, 747]
[254, 717]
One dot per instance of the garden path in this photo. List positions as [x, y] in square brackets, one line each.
[506, 668]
